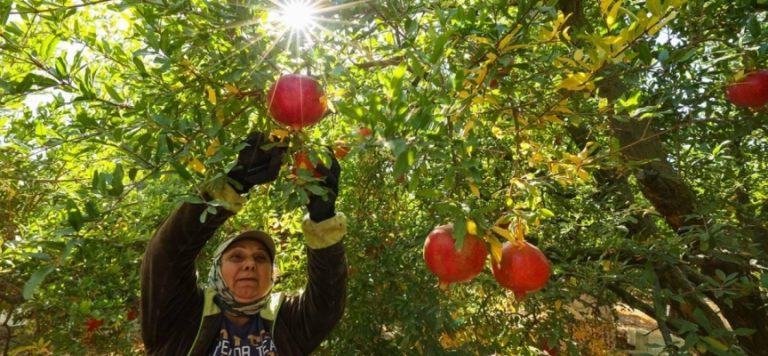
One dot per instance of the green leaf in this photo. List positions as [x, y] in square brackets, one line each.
[117, 181]
[753, 26]
[459, 232]
[47, 47]
[162, 120]
[438, 47]
[316, 189]
[74, 216]
[68, 248]
[61, 67]
[140, 66]
[35, 280]
[5, 11]
[183, 173]
[113, 93]
[546, 213]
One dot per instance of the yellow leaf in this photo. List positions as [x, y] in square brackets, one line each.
[463, 94]
[519, 183]
[197, 166]
[497, 132]
[605, 5]
[479, 39]
[606, 265]
[471, 226]
[496, 248]
[508, 38]
[231, 89]
[503, 233]
[520, 229]
[582, 174]
[551, 118]
[211, 94]
[479, 100]
[481, 73]
[446, 341]
[475, 191]
[558, 304]
[280, 134]
[654, 6]
[213, 148]
[610, 19]
[576, 160]
[575, 81]
[662, 23]
[563, 109]
[513, 47]
[715, 343]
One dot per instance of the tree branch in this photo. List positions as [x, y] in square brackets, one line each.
[33, 10]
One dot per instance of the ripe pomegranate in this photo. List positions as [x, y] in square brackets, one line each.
[522, 269]
[93, 324]
[296, 101]
[751, 92]
[340, 149]
[301, 161]
[132, 315]
[448, 264]
[365, 131]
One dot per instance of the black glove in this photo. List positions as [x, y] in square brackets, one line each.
[324, 207]
[256, 165]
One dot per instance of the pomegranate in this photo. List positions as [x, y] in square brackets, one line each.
[93, 323]
[340, 149]
[522, 269]
[132, 315]
[296, 101]
[365, 131]
[750, 92]
[301, 161]
[448, 264]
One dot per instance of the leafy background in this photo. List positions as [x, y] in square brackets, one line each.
[598, 129]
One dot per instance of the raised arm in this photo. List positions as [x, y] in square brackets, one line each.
[169, 292]
[170, 296]
[309, 317]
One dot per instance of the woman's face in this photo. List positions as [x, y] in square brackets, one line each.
[247, 270]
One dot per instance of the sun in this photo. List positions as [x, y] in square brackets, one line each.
[296, 15]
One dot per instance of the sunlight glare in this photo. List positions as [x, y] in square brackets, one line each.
[297, 15]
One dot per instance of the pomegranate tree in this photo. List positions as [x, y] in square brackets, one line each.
[296, 101]
[523, 268]
[451, 265]
[751, 92]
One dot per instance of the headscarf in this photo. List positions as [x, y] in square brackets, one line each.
[224, 298]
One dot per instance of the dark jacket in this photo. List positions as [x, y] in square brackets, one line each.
[172, 303]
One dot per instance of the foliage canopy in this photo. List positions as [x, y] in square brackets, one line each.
[597, 129]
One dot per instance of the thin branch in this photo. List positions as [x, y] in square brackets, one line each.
[44, 181]
[381, 63]
[51, 9]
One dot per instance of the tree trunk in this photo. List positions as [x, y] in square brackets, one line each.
[661, 184]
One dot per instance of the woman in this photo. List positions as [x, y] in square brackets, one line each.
[236, 313]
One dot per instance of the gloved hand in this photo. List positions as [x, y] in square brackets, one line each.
[324, 207]
[256, 165]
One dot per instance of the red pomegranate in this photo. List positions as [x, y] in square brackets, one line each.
[522, 269]
[296, 101]
[93, 323]
[301, 161]
[448, 264]
[751, 92]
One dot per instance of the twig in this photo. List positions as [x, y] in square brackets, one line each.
[50, 9]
